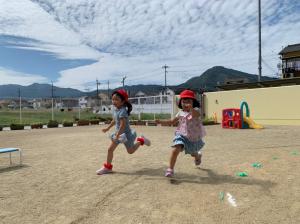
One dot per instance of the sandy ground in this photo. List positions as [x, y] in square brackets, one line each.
[58, 184]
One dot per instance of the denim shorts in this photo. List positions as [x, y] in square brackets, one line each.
[189, 147]
[131, 136]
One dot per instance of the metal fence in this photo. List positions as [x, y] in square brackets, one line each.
[28, 111]
[161, 104]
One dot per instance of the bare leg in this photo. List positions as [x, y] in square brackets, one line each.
[174, 155]
[134, 148]
[110, 152]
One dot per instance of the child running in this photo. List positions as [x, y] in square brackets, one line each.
[189, 132]
[123, 133]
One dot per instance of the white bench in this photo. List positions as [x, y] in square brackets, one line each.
[10, 150]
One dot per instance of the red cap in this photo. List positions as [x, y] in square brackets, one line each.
[123, 93]
[187, 94]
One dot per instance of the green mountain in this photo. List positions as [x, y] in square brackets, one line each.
[37, 91]
[218, 75]
[207, 81]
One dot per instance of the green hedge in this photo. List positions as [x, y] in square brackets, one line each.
[103, 119]
[52, 124]
[83, 122]
[209, 122]
[36, 126]
[68, 124]
[17, 127]
[94, 121]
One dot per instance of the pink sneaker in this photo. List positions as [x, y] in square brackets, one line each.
[107, 168]
[169, 173]
[103, 170]
[198, 159]
[147, 142]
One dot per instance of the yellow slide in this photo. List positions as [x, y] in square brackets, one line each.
[251, 123]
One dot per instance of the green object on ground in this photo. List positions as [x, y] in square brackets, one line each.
[274, 158]
[242, 174]
[257, 165]
[221, 196]
[294, 153]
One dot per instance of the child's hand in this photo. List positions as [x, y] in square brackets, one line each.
[105, 129]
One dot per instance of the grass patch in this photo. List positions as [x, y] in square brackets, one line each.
[8, 117]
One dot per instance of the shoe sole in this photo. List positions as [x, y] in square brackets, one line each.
[104, 173]
[169, 176]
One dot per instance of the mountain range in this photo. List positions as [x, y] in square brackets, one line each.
[207, 81]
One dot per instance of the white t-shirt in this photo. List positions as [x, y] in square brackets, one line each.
[182, 113]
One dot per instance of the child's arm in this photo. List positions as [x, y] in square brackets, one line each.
[112, 123]
[168, 122]
[122, 127]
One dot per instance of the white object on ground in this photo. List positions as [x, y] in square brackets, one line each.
[231, 200]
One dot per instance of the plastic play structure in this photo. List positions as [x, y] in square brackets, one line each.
[235, 118]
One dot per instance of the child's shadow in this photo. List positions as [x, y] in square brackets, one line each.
[211, 178]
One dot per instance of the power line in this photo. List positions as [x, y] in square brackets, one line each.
[145, 76]
[268, 66]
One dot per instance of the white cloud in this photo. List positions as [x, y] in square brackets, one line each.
[8, 76]
[137, 37]
[26, 19]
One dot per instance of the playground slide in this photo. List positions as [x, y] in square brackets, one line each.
[251, 123]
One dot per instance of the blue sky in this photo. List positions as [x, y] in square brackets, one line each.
[34, 62]
[76, 42]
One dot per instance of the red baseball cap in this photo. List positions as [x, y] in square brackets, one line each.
[187, 94]
[123, 93]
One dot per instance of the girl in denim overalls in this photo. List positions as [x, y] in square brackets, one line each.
[123, 133]
[189, 132]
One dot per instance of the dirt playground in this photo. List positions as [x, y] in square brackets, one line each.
[58, 183]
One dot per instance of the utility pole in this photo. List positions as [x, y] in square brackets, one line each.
[98, 84]
[108, 89]
[165, 67]
[259, 41]
[20, 103]
[123, 81]
[52, 96]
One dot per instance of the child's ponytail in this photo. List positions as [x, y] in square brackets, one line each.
[129, 107]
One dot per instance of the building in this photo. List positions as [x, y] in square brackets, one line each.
[140, 94]
[290, 65]
[4, 103]
[35, 103]
[168, 92]
[104, 97]
[82, 102]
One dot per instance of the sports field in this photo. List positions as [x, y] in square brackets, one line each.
[58, 183]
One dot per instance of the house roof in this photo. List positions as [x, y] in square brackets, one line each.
[290, 48]
[140, 93]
